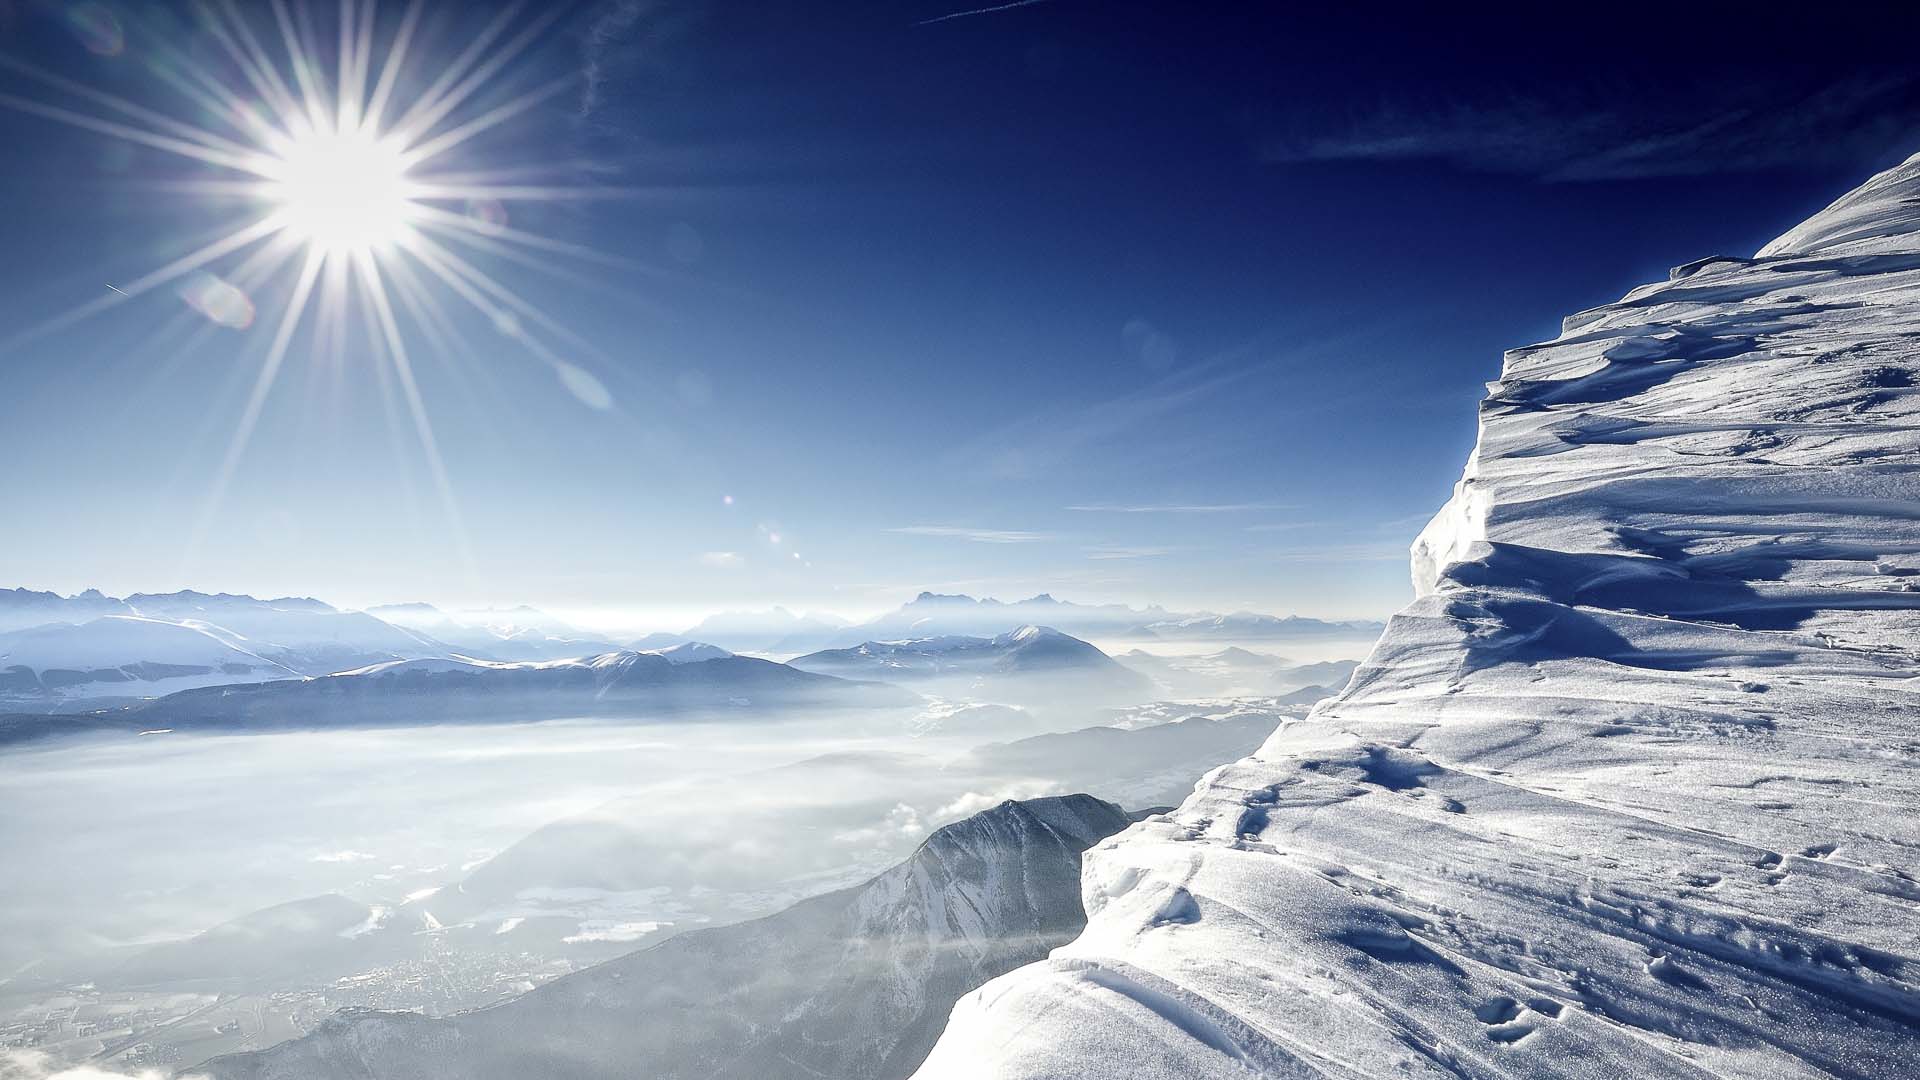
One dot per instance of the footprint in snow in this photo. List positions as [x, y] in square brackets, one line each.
[1664, 969]
[1510, 1033]
[1499, 1010]
[1506, 1019]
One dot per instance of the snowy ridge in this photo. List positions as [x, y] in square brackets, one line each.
[691, 652]
[1629, 790]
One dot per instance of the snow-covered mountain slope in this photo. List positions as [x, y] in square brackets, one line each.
[1031, 659]
[1630, 789]
[689, 652]
[1026, 647]
[121, 656]
[306, 635]
[602, 668]
[853, 984]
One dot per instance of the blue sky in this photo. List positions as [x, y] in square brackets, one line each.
[1180, 303]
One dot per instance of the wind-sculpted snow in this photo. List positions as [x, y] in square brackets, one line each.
[1630, 790]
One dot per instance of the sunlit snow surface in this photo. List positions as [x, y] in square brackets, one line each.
[1630, 790]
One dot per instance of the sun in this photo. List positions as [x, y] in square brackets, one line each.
[369, 177]
[341, 191]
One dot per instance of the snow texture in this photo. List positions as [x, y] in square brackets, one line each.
[1629, 790]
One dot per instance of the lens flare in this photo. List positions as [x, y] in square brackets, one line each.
[221, 302]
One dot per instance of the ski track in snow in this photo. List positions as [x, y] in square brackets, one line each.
[1629, 790]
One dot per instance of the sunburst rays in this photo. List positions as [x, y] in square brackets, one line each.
[358, 195]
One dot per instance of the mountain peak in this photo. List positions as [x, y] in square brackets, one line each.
[410, 607]
[1079, 820]
[943, 598]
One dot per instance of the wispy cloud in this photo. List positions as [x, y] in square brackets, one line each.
[1286, 526]
[1179, 508]
[1726, 128]
[978, 536]
[1046, 440]
[1117, 551]
[724, 560]
[614, 24]
[980, 11]
[1368, 552]
[1395, 524]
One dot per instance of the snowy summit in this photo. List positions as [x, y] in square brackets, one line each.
[1629, 789]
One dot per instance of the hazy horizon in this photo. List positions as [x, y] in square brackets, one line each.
[677, 618]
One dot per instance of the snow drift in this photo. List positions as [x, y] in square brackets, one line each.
[1629, 790]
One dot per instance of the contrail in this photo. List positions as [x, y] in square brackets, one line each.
[980, 11]
[110, 286]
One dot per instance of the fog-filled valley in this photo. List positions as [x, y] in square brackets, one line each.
[439, 828]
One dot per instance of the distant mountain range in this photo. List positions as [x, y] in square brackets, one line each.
[1023, 663]
[854, 984]
[71, 653]
[777, 631]
[92, 650]
[780, 632]
[451, 691]
[22, 608]
[520, 633]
